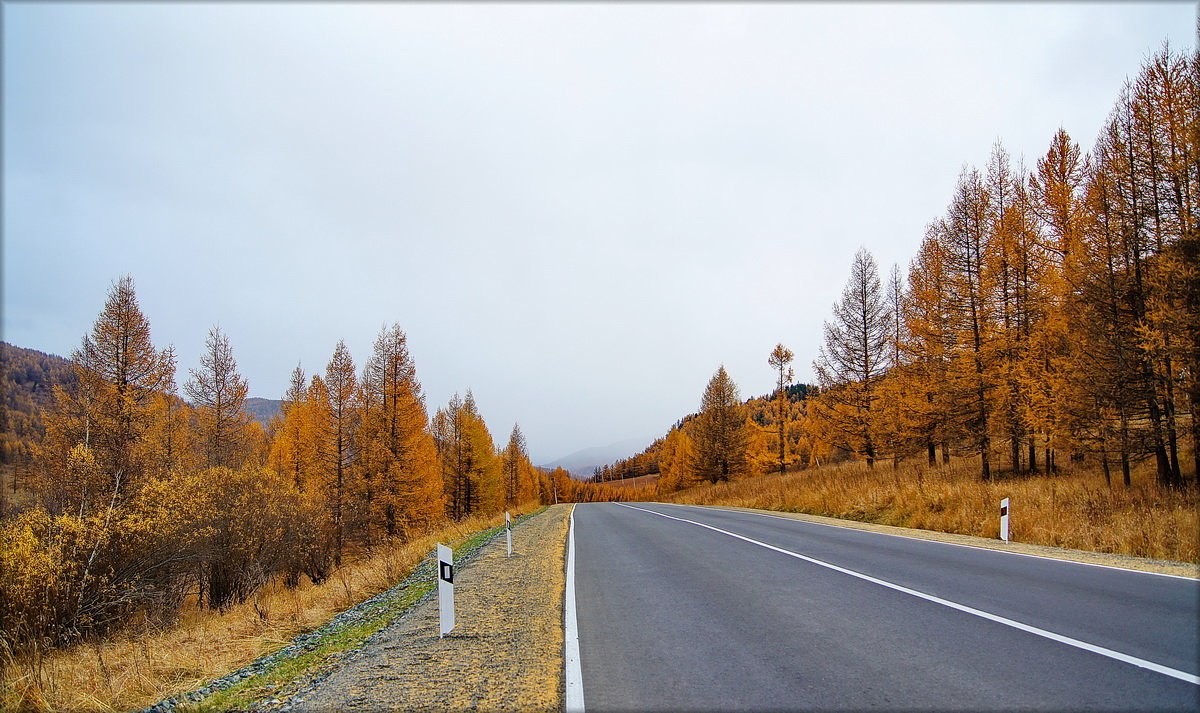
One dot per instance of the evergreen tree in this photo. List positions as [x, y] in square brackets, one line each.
[288, 446]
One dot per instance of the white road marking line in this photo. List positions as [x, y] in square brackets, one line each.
[939, 542]
[1117, 655]
[572, 671]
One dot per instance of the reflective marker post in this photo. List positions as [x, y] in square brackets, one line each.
[1004, 519]
[445, 590]
[508, 532]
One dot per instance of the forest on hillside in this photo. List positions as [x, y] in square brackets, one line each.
[28, 378]
[1051, 313]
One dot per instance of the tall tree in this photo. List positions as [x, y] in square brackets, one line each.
[1123, 281]
[288, 446]
[516, 467]
[111, 404]
[676, 461]
[470, 470]
[853, 359]
[972, 307]
[1167, 152]
[1104, 367]
[218, 392]
[399, 457]
[779, 360]
[721, 434]
[342, 389]
[892, 431]
[318, 467]
[1055, 197]
[927, 398]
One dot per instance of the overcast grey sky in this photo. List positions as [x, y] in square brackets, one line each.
[578, 211]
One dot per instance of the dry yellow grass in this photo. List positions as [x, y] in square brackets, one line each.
[1074, 509]
[641, 481]
[141, 667]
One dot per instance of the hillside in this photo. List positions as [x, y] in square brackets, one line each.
[27, 377]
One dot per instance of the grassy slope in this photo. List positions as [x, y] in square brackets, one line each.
[1074, 509]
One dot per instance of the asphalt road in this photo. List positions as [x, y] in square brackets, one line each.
[764, 613]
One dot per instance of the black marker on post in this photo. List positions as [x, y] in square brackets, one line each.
[445, 590]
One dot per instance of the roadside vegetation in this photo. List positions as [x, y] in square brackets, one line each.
[126, 508]
[1050, 319]
[148, 542]
[1074, 509]
[143, 665]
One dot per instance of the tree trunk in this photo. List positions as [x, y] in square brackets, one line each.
[1125, 450]
[1162, 461]
[1169, 418]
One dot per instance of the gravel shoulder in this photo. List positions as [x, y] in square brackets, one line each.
[1181, 569]
[505, 653]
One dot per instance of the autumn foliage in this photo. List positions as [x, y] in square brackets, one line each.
[141, 502]
[1050, 317]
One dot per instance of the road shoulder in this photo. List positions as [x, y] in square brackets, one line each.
[505, 652]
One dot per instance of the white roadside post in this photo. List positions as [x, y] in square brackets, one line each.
[508, 532]
[1004, 519]
[445, 590]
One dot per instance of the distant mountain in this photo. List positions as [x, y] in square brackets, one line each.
[583, 463]
[262, 410]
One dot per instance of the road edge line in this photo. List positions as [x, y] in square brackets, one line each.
[1109, 653]
[572, 670]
